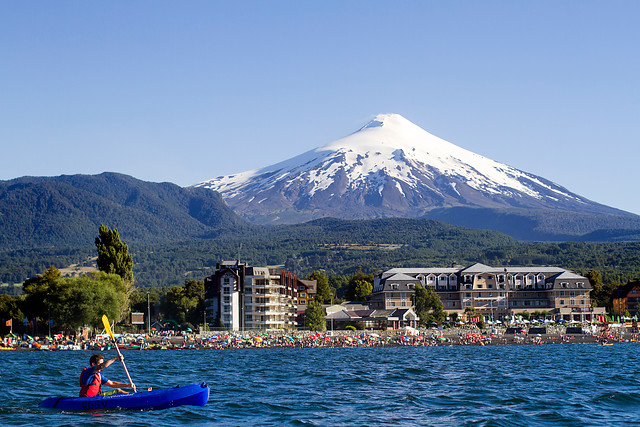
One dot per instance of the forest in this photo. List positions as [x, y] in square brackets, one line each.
[338, 247]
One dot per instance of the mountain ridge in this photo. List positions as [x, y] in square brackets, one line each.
[391, 167]
[67, 210]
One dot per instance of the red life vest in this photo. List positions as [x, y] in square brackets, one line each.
[93, 389]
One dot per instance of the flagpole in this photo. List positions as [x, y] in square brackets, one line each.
[11, 325]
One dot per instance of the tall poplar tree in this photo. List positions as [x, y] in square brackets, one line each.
[113, 254]
[314, 315]
[114, 258]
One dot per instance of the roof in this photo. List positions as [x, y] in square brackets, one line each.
[478, 268]
[401, 277]
[568, 275]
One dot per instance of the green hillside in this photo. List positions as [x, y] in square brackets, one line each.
[341, 247]
[66, 211]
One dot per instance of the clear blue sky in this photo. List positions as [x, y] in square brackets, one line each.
[187, 91]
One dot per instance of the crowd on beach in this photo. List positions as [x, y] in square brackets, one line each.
[305, 339]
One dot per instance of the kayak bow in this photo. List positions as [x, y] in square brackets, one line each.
[192, 394]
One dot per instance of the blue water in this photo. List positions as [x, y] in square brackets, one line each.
[580, 384]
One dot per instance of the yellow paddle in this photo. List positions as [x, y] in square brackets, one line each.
[107, 327]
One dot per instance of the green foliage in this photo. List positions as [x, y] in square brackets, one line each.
[314, 316]
[114, 258]
[324, 292]
[37, 292]
[427, 305]
[113, 254]
[360, 286]
[62, 211]
[9, 309]
[74, 301]
[185, 303]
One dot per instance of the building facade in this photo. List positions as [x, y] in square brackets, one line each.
[491, 292]
[627, 299]
[239, 297]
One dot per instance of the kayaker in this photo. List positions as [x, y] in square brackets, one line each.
[91, 379]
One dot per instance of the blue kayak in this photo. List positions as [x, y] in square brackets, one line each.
[192, 394]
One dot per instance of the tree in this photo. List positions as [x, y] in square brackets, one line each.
[324, 292]
[84, 299]
[75, 301]
[360, 286]
[37, 293]
[113, 254]
[9, 310]
[428, 305]
[315, 318]
[114, 258]
[185, 303]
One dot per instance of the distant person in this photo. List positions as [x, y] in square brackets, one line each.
[91, 380]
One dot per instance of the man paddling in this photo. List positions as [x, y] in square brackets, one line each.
[91, 380]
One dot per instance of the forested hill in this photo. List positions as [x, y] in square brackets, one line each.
[338, 247]
[64, 211]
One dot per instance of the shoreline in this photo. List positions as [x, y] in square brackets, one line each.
[335, 339]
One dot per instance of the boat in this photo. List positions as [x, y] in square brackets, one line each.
[192, 394]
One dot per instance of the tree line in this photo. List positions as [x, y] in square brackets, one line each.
[75, 301]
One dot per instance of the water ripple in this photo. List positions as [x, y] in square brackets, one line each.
[439, 386]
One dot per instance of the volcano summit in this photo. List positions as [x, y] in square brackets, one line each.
[393, 168]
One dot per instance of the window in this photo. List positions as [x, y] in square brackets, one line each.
[303, 295]
[561, 302]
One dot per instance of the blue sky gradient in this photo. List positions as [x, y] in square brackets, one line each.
[187, 91]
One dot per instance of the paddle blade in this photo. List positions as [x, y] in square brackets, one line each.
[107, 327]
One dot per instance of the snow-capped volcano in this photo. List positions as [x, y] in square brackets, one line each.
[388, 168]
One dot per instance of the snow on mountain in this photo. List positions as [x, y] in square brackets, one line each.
[390, 167]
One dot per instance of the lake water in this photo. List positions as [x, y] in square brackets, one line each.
[578, 384]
